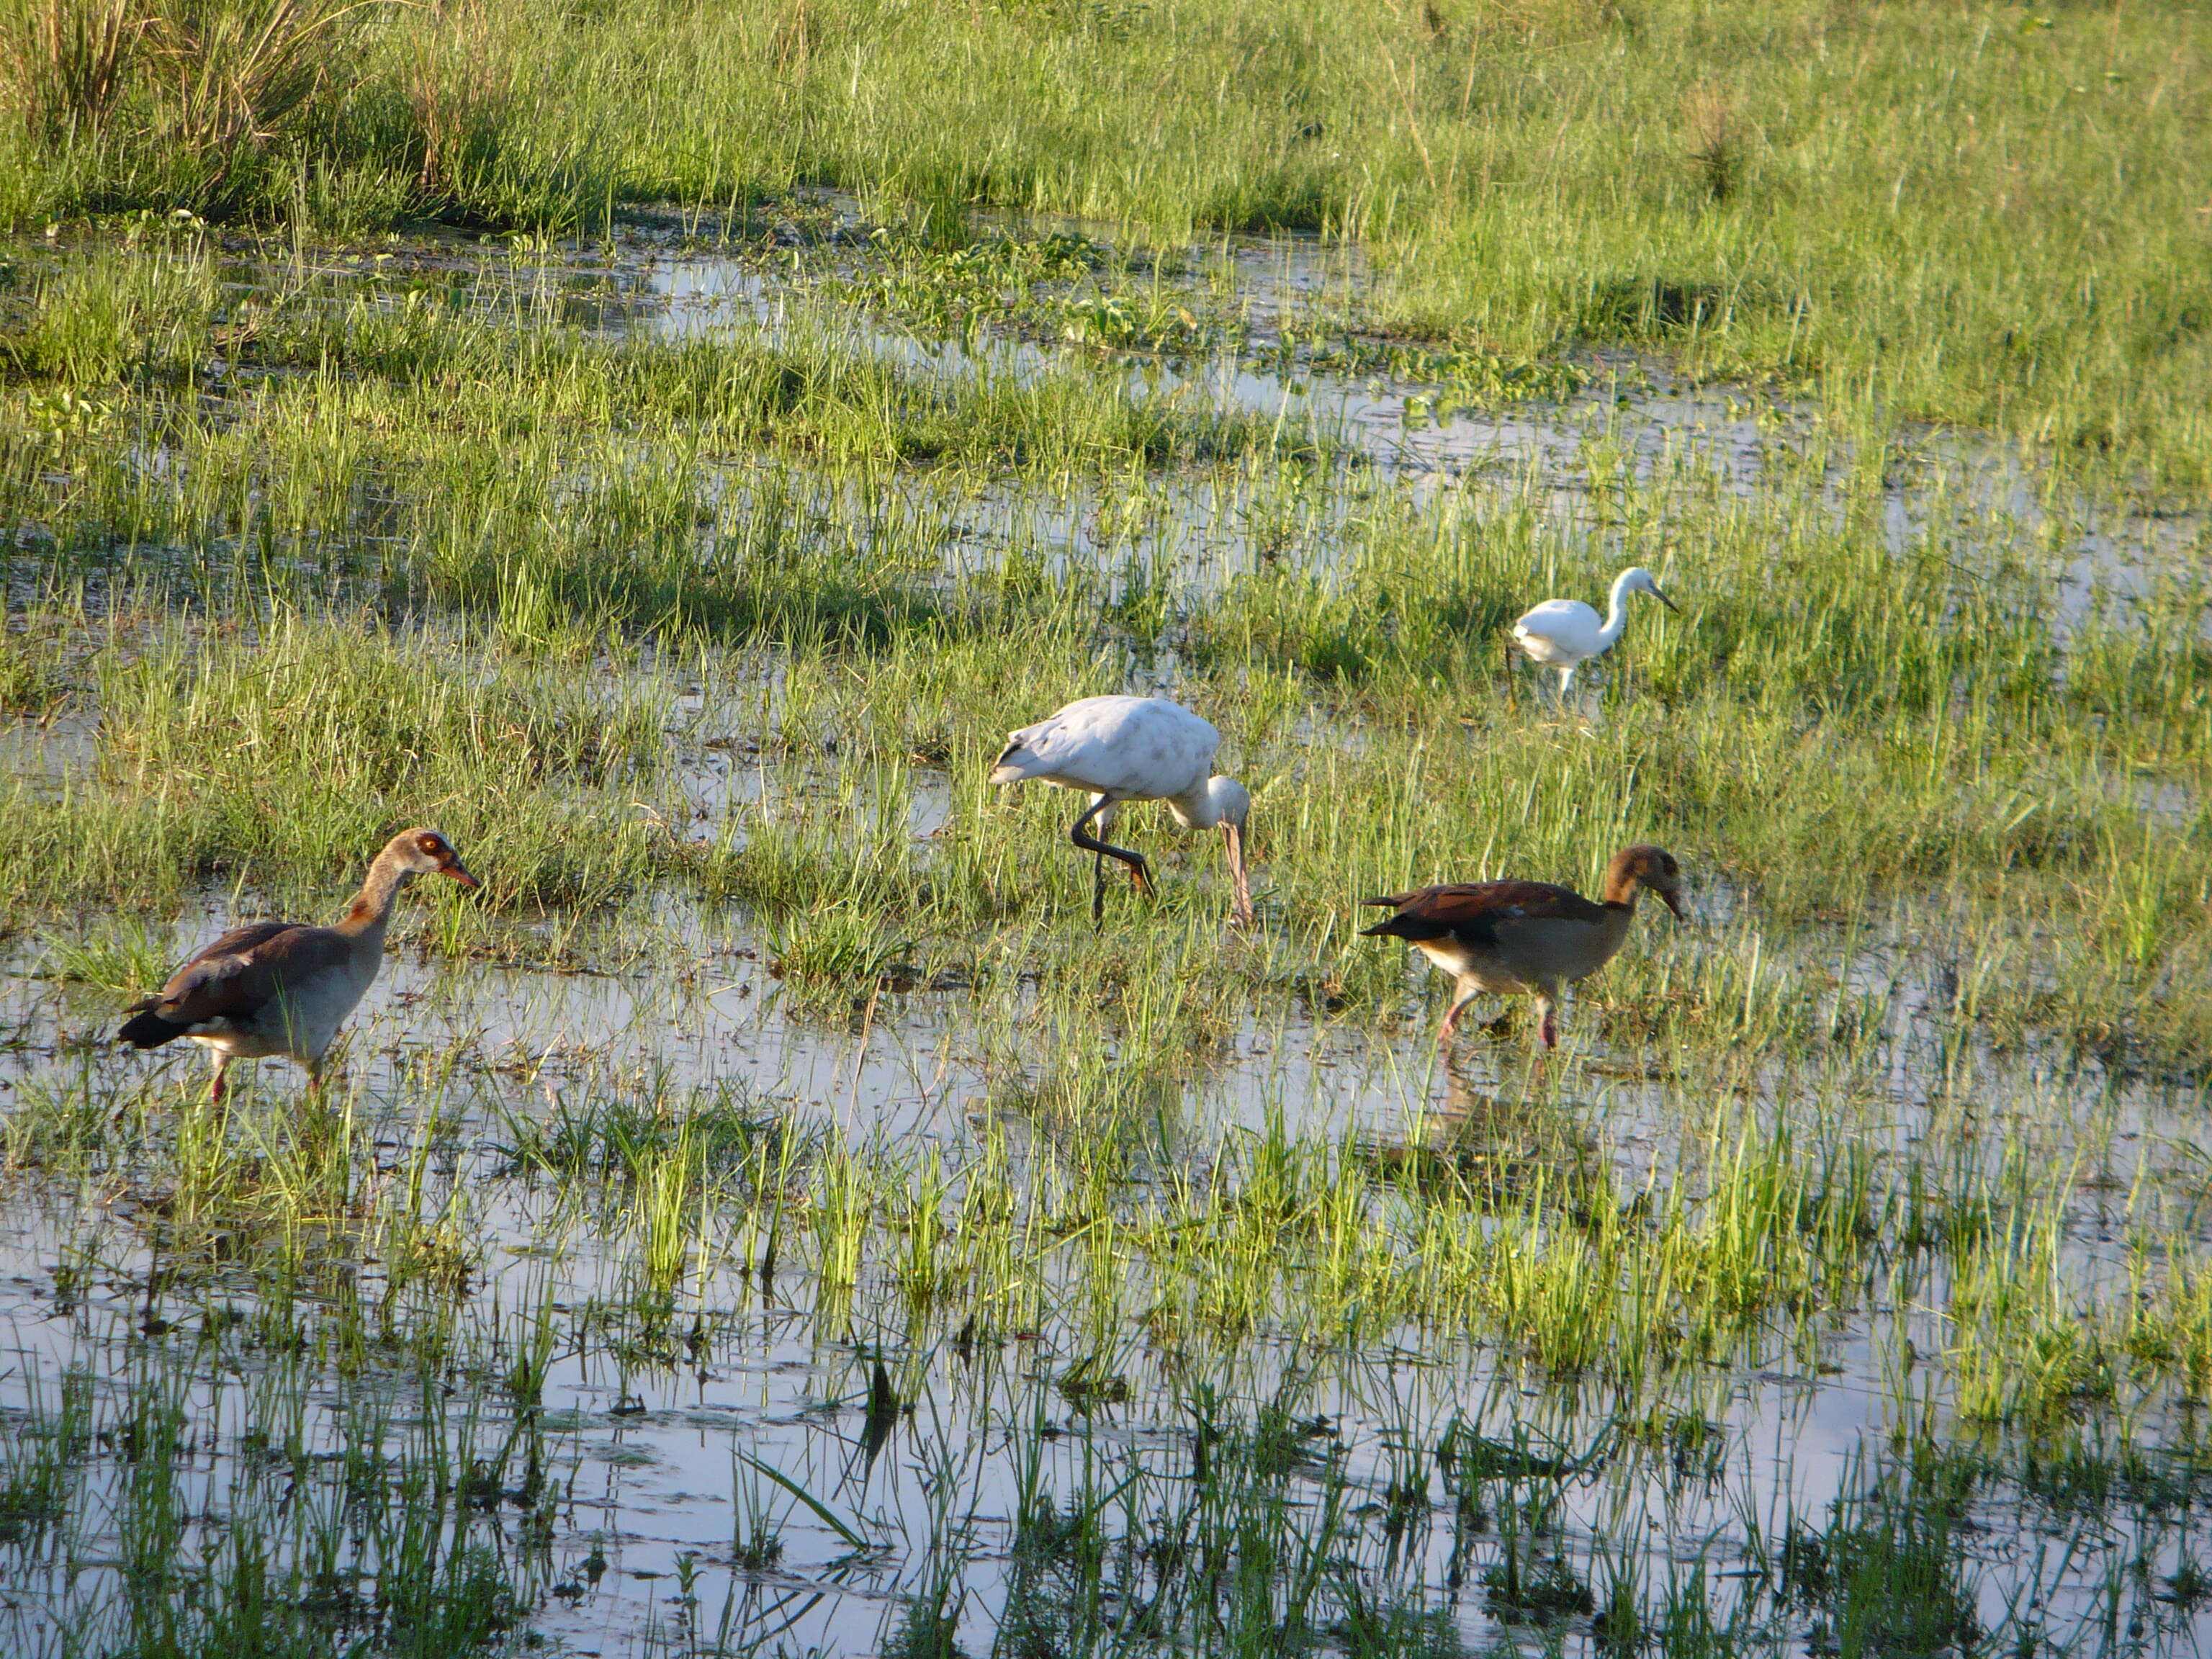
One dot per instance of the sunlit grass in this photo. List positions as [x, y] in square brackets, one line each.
[1977, 214]
[680, 644]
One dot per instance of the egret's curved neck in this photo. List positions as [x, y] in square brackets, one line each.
[1213, 803]
[1616, 612]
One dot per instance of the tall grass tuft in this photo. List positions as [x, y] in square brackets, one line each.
[1715, 148]
[236, 75]
[63, 62]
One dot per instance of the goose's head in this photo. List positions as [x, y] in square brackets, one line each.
[427, 852]
[1646, 866]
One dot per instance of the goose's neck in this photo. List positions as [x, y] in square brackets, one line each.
[1616, 612]
[370, 909]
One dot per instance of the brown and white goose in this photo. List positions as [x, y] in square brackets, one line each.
[1527, 937]
[281, 988]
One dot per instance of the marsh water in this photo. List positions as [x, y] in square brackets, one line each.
[793, 1464]
[1256, 342]
[651, 1457]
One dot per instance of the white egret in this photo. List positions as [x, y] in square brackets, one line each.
[1565, 633]
[1123, 749]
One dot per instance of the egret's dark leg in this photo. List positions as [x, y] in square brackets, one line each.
[1089, 843]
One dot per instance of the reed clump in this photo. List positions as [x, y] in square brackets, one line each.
[67, 61]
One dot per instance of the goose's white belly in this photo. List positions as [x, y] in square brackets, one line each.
[303, 1024]
[1462, 964]
[1533, 952]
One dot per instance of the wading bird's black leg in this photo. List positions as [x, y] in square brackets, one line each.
[1091, 843]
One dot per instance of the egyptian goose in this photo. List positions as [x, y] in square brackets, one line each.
[280, 987]
[1565, 633]
[1120, 749]
[1527, 937]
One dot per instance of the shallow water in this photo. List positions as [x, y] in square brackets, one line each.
[1638, 418]
[648, 1455]
[643, 1430]
[1410, 440]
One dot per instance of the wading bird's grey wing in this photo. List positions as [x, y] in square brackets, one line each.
[1474, 910]
[1124, 748]
[1418, 911]
[1170, 750]
[1027, 751]
[1535, 901]
[222, 946]
[259, 965]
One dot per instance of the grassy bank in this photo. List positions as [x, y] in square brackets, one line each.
[1139, 1289]
[1979, 214]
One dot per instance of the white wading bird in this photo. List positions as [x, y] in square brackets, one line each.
[278, 987]
[1565, 633]
[1118, 749]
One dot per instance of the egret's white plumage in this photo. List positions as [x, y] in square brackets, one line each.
[1118, 749]
[1565, 633]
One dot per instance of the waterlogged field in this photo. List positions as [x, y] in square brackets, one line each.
[767, 1218]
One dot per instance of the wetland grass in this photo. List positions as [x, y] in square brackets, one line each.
[1973, 213]
[1167, 1296]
